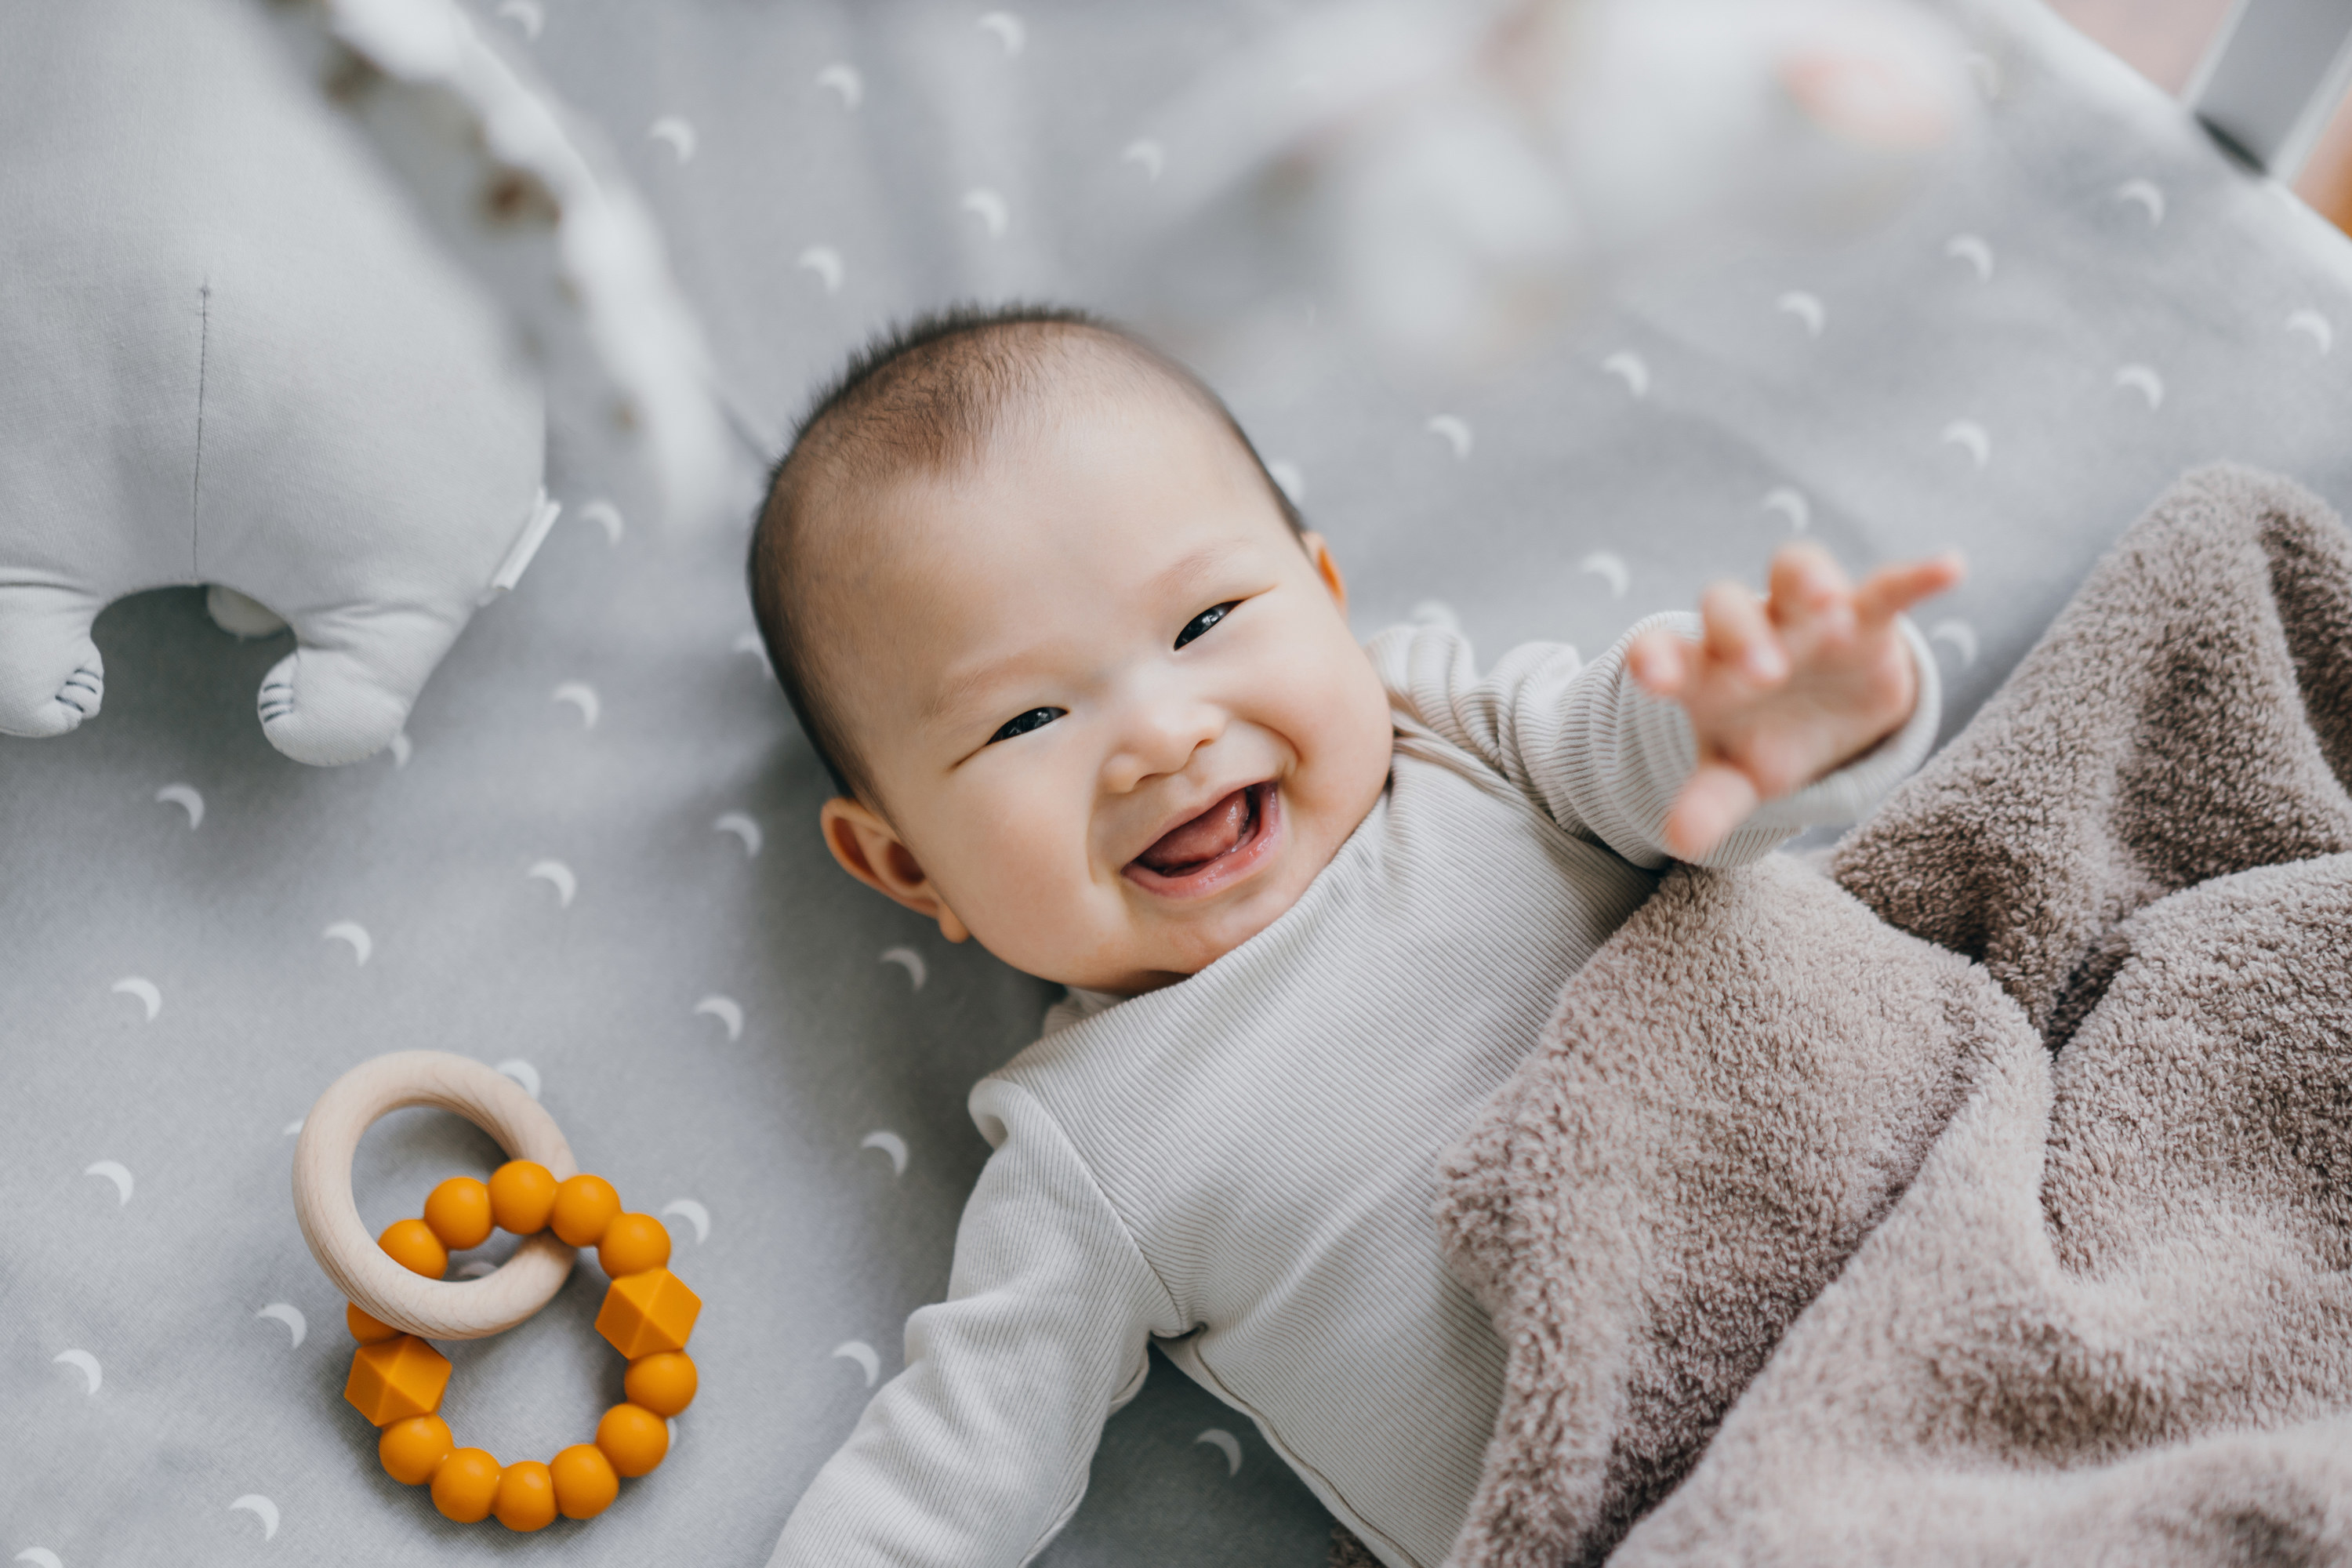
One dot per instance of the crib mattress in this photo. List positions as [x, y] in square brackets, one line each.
[594, 863]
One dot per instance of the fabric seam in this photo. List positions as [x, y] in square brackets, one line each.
[196, 477]
[1125, 1232]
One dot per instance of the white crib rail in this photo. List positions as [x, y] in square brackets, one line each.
[2272, 78]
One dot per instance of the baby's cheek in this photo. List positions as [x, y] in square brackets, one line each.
[1345, 730]
[1034, 904]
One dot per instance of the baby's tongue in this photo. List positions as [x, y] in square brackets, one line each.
[1205, 837]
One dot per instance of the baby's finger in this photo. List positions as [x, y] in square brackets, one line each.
[1805, 577]
[1810, 595]
[1660, 661]
[1740, 634]
[1716, 799]
[1891, 590]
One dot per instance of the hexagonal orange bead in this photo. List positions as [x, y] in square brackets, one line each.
[394, 1379]
[646, 1313]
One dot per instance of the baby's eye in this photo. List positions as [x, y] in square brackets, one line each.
[1035, 719]
[1204, 621]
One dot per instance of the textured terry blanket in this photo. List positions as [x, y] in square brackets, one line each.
[1988, 1198]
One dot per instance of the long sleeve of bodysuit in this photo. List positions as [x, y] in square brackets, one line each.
[1604, 758]
[976, 1454]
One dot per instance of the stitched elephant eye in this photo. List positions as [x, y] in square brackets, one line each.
[1204, 620]
[1035, 719]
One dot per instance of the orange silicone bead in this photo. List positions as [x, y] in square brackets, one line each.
[526, 1497]
[466, 1484]
[394, 1379]
[412, 1449]
[585, 1484]
[632, 1242]
[647, 1312]
[663, 1382]
[522, 1194]
[633, 1439]
[414, 1247]
[584, 1205]
[365, 1328]
[458, 1212]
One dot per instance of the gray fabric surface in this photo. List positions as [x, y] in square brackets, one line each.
[813, 1240]
[1999, 1155]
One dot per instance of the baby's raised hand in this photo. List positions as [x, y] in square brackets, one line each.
[1783, 690]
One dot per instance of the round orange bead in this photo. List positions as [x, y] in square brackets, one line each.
[585, 1484]
[663, 1382]
[412, 1449]
[584, 1205]
[632, 1242]
[366, 1329]
[466, 1484]
[458, 1212]
[522, 1194]
[414, 1247]
[633, 1439]
[526, 1498]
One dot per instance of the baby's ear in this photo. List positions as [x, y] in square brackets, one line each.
[870, 849]
[1326, 566]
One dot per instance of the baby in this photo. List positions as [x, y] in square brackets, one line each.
[1087, 690]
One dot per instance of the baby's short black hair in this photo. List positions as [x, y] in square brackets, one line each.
[925, 394]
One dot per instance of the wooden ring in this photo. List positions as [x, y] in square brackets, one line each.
[429, 1308]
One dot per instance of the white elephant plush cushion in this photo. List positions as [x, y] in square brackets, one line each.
[229, 354]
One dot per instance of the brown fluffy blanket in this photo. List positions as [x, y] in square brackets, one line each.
[1988, 1198]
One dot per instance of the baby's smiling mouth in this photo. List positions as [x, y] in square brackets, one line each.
[1211, 851]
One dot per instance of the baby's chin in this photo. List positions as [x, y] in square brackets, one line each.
[1165, 943]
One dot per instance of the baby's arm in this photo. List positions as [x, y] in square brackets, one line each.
[1608, 760]
[977, 1454]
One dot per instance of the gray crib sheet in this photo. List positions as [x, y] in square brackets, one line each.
[594, 864]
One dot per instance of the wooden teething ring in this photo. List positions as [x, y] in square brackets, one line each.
[399, 1299]
[429, 1308]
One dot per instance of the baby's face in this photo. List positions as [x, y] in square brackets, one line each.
[1112, 708]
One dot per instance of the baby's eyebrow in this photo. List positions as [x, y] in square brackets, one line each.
[1191, 564]
[955, 695]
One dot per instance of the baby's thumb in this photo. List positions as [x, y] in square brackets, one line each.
[1714, 800]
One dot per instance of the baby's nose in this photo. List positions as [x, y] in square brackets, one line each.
[1161, 738]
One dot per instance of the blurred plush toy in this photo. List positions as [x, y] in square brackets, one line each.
[1455, 174]
[529, 198]
[245, 340]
